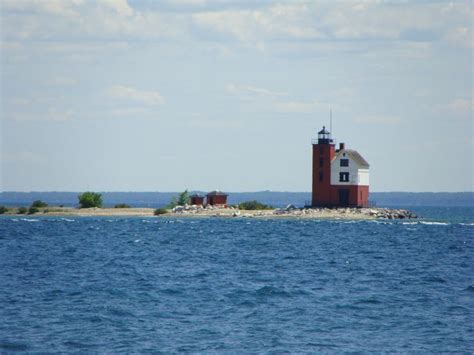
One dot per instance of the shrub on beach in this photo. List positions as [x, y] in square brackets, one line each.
[3, 209]
[160, 211]
[22, 210]
[254, 205]
[39, 204]
[121, 205]
[33, 210]
[90, 199]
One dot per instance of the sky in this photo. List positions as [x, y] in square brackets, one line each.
[143, 95]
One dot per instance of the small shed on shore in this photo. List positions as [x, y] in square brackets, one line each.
[216, 198]
[196, 199]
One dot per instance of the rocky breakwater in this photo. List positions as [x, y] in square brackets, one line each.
[354, 213]
[293, 212]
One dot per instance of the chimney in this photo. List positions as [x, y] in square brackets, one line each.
[341, 146]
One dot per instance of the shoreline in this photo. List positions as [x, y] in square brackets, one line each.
[199, 212]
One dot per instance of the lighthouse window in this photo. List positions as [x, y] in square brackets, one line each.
[321, 162]
[344, 162]
[320, 176]
[343, 177]
[321, 150]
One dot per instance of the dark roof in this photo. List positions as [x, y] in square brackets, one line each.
[354, 155]
[323, 131]
[216, 193]
[196, 195]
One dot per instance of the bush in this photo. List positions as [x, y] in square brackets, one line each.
[3, 209]
[160, 211]
[39, 204]
[121, 205]
[254, 205]
[33, 210]
[90, 199]
[22, 210]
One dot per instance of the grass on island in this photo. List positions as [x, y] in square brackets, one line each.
[253, 205]
[122, 205]
[160, 211]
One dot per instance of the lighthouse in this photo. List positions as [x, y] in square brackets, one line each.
[340, 176]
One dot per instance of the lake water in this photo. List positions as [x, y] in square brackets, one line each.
[237, 285]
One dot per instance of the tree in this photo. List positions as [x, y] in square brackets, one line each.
[90, 199]
[181, 200]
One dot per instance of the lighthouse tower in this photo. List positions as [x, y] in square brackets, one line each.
[323, 154]
[340, 176]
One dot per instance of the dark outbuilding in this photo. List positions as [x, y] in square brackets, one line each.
[196, 199]
[217, 198]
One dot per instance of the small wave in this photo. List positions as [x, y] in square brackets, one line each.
[469, 288]
[466, 224]
[68, 220]
[270, 291]
[369, 301]
[30, 220]
[435, 279]
[13, 346]
[434, 223]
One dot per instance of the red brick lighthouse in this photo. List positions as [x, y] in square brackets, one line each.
[340, 176]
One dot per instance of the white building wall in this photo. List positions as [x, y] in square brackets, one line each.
[357, 176]
[363, 177]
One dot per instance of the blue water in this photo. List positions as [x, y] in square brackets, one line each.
[237, 285]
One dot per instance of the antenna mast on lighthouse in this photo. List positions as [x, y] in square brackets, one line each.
[330, 121]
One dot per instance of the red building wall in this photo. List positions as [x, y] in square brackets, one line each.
[217, 200]
[358, 196]
[197, 200]
[321, 192]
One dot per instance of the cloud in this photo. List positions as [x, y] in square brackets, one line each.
[378, 119]
[296, 106]
[459, 105]
[256, 25]
[129, 111]
[52, 114]
[252, 90]
[62, 81]
[273, 22]
[120, 92]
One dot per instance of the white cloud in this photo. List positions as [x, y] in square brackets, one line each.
[62, 81]
[296, 106]
[252, 90]
[120, 7]
[378, 119]
[129, 111]
[52, 114]
[460, 105]
[121, 92]
[273, 22]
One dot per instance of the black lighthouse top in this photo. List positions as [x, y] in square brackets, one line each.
[324, 136]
